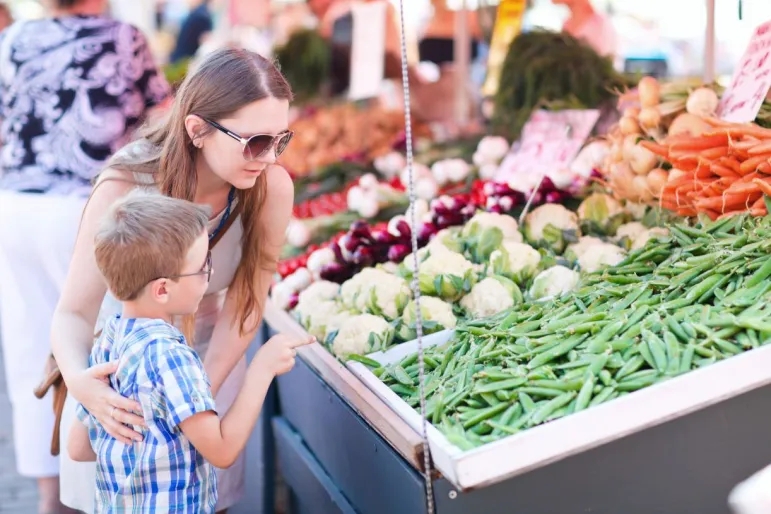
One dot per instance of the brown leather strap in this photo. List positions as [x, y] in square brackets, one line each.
[54, 379]
[228, 222]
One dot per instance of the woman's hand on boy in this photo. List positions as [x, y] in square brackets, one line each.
[277, 355]
[112, 411]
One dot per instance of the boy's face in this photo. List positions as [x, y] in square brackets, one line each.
[185, 292]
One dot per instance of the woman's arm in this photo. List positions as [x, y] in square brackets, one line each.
[227, 344]
[72, 327]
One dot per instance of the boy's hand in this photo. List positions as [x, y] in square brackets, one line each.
[277, 355]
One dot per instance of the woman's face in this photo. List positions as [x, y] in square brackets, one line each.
[224, 155]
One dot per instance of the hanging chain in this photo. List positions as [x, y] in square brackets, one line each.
[415, 283]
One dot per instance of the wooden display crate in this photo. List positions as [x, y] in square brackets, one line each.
[537, 447]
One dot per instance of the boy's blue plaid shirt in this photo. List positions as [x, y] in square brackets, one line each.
[164, 472]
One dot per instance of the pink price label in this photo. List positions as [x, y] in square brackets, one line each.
[751, 81]
[549, 143]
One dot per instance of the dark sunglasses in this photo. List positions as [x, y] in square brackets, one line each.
[258, 144]
[206, 270]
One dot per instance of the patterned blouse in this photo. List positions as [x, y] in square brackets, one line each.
[71, 91]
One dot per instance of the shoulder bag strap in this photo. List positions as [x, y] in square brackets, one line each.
[235, 213]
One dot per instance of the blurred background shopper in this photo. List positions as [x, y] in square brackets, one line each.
[72, 88]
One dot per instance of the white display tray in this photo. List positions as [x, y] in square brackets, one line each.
[576, 433]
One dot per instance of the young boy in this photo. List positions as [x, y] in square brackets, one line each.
[154, 254]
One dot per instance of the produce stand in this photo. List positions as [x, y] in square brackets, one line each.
[712, 434]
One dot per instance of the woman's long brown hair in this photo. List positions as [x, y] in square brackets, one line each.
[224, 82]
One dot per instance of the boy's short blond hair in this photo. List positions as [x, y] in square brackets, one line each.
[143, 237]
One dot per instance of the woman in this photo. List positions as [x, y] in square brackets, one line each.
[218, 147]
[437, 44]
[590, 26]
[72, 88]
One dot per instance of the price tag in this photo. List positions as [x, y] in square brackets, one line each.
[549, 143]
[367, 50]
[742, 99]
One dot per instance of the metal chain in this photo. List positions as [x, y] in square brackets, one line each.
[415, 283]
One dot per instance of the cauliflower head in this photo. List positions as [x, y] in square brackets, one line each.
[446, 274]
[652, 233]
[600, 256]
[317, 292]
[362, 334]
[507, 225]
[554, 282]
[322, 319]
[628, 232]
[376, 291]
[491, 296]
[517, 261]
[576, 250]
[437, 315]
[551, 225]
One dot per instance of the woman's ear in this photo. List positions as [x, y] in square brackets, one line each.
[194, 126]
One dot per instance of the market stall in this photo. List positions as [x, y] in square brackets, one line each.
[571, 342]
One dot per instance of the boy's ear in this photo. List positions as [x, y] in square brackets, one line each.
[159, 290]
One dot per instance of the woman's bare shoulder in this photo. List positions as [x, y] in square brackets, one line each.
[279, 200]
[280, 188]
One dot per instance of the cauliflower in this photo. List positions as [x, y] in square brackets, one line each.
[517, 261]
[390, 164]
[377, 291]
[507, 225]
[651, 233]
[437, 315]
[601, 214]
[553, 282]
[450, 170]
[446, 274]
[447, 238]
[318, 292]
[491, 296]
[574, 251]
[552, 225]
[362, 334]
[599, 256]
[321, 319]
[628, 232]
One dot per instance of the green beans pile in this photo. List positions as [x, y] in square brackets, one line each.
[698, 297]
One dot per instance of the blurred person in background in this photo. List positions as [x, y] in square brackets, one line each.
[592, 27]
[438, 41]
[196, 25]
[73, 87]
[5, 16]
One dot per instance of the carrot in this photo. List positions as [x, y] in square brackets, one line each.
[745, 188]
[713, 215]
[697, 143]
[660, 150]
[760, 202]
[747, 130]
[687, 212]
[765, 167]
[751, 164]
[731, 162]
[759, 212]
[763, 185]
[760, 148]
[714, 153]
[723, 171]
[722, 202]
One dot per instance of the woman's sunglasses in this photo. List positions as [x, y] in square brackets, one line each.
[258, 144]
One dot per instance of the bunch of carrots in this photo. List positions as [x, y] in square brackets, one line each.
[720, 173]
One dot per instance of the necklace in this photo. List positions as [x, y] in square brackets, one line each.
[226, 214]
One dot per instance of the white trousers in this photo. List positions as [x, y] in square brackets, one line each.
[37, 235]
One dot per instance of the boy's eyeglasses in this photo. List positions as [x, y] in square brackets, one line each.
[258, 144]
[206, 270]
